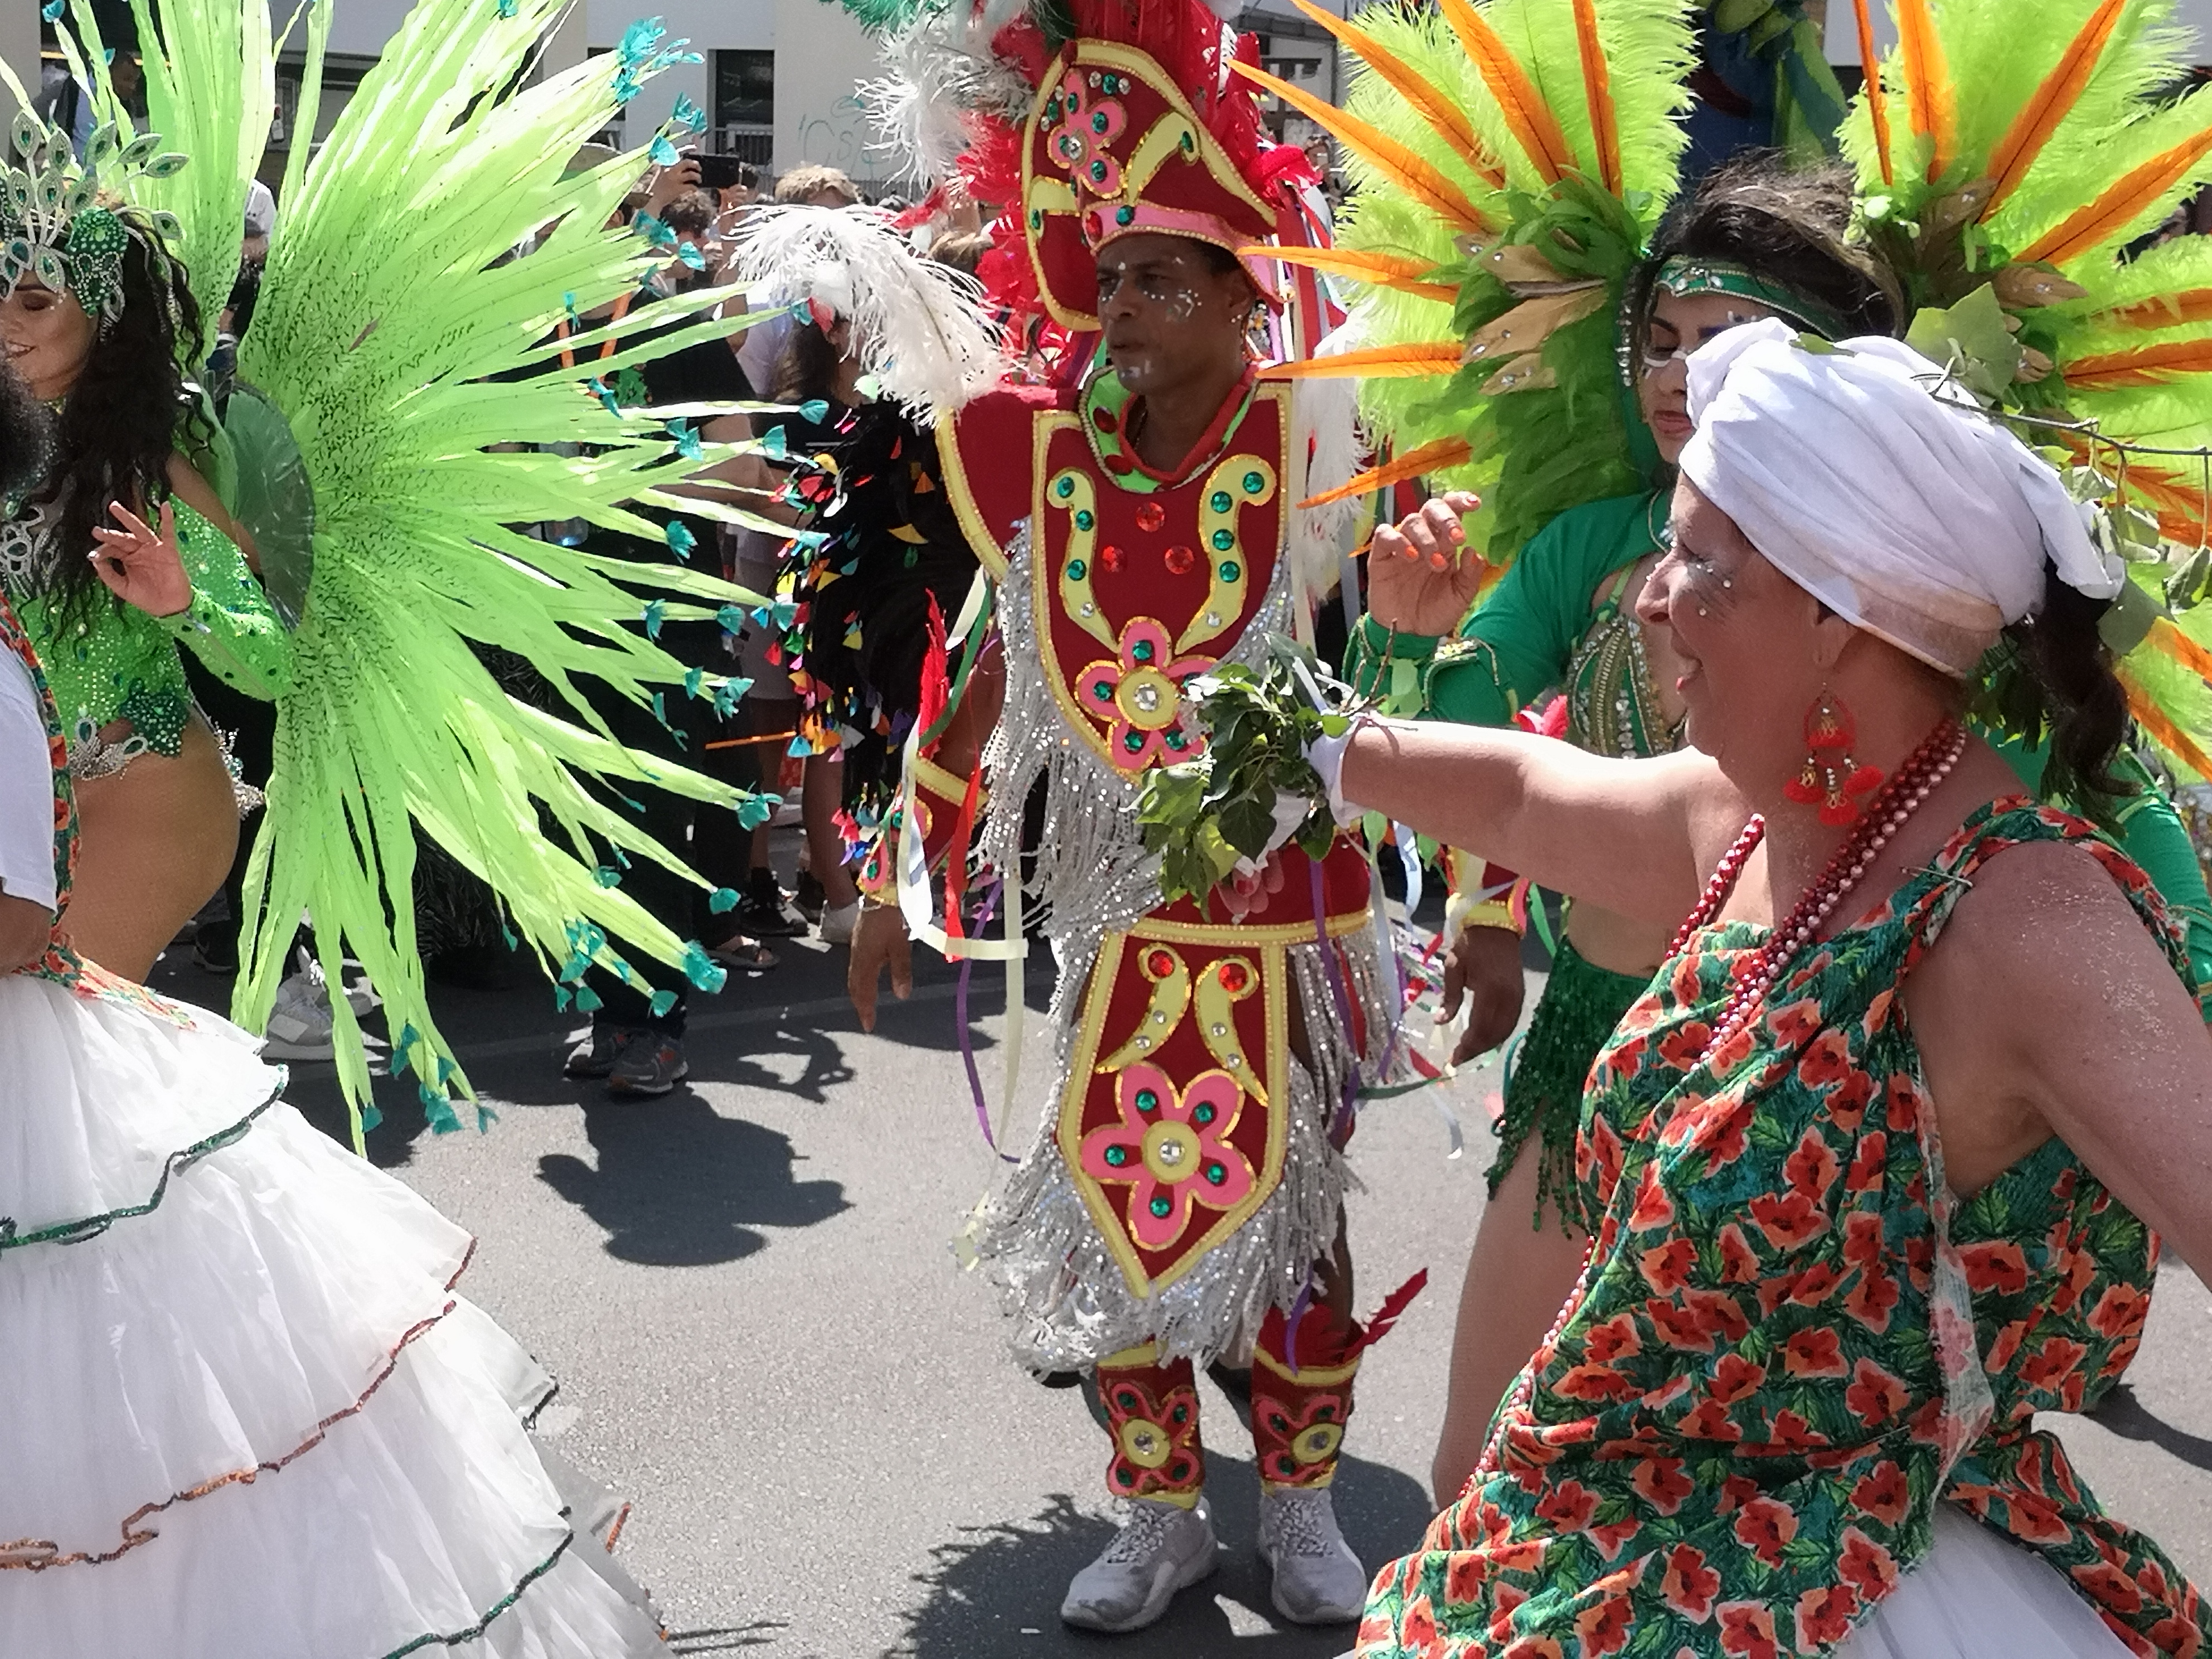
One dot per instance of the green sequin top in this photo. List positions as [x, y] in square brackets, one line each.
[122, 663]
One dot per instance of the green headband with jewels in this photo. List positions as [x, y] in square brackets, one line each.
[1685, 277]
[62, 221]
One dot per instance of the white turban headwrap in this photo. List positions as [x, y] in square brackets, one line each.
[1908, 514]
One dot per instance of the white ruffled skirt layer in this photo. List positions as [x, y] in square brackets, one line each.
[1976, 1596]
[250, 1419]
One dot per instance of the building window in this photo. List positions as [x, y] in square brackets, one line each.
[745, 103]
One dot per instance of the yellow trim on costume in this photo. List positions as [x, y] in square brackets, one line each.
[953, 474]
[1142, 65]
[1272, 1486]
[1143, 1355]
[1310, 1376]
[1229, 570]
[945, 786]
[1246, 933]
[1170, 997]
[1075, 492]
[1216, 1021]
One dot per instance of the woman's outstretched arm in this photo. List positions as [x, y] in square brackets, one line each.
[1636, 836]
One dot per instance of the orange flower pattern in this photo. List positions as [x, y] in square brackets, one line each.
[1734, 1448]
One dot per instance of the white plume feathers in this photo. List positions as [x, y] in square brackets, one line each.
[1325, 436]
[939, 71]
[919, 326]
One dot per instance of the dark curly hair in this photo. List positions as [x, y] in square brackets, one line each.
[121, 422]
[1791, 225]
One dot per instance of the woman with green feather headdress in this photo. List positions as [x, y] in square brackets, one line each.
[122, 553]
[242, 1342]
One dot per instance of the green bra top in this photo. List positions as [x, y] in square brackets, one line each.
[116, 662]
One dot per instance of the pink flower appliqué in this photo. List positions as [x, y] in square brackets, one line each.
[1174, 1150]
[1141, 696]
[1082, 134]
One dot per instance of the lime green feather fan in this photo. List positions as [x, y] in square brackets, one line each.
[424, 264]
[1512, 159]
[2008, 157]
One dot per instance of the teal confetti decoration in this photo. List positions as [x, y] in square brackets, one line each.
[814, 411]
[772, 444]
[663, 153]
[722, 901]
[51, 11]
[662, 1001]
[485, 1118]
[681, 541]
[506, 935]
[439, 1111]
[562, 994]
[370, 1117]
[694, 678]
[653, 230]
[754, 810]
[600, 390]
[687, 439]
[702, 971]
[688, 115]
[587, 1000]
[607, 875]
[656, 613]
[507, 7]
[730, 618]
[727, 695]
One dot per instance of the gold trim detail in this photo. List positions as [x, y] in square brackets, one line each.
[1231, 487]
[1311, 1376]
[981, 540]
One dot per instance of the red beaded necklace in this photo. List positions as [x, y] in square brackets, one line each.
[1885, 814]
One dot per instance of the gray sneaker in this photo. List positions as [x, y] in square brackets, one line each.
[648, 1063]
[1318, 1580]
[595, 1055]
[1161, 1548]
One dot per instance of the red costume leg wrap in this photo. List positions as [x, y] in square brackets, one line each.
[1299, 1411]
[1152, 1412]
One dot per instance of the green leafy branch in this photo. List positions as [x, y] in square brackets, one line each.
[1205, 815]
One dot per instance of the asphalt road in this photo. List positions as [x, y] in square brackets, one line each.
[748, 1291]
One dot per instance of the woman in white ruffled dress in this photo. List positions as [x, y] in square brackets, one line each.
[249, 1418]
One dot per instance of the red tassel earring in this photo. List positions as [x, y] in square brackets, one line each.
[1832, 779]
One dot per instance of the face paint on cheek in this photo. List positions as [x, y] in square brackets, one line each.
[1180, 306]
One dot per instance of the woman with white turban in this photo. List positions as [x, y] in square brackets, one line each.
[1876, 1161]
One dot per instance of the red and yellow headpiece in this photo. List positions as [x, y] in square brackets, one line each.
[1114, 147]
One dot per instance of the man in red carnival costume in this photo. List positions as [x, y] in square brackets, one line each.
[1182, 1202]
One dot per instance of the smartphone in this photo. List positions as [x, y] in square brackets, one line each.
[726, 172]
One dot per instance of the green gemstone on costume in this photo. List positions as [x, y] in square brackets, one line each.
[1231, 570]
[1064, 489]
[1077, 570]
[1221, 500]
[1142, 651]
[1123, 216]
[1255, 483]
[1223, 540]
[1117, 1156]
[1083, 519]
[1147, 1100]
[1161, 1206]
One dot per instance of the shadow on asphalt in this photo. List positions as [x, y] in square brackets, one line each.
[2126, 1416]
[679, 1185]
[726, 1638]
[995, 1590]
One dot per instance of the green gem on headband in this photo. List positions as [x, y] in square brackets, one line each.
[54, 228]
[1685, 277]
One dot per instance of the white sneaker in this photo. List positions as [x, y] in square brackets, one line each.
[1318, 1580]
[838, 922]
[300, 1023]
[1161, 1548]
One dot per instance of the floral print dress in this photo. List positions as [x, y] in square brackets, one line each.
[1790, 1341]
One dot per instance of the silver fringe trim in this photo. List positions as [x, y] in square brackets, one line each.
[1071, 1304]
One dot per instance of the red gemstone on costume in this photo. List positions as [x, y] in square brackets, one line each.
[1150, 515]
[1161, 963]
[1104, 419]
[1118, 464]
[1110, 557]
[1180, 561]
[1233, 977]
